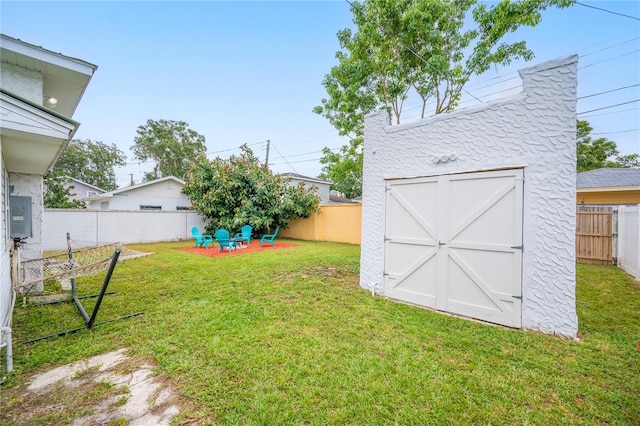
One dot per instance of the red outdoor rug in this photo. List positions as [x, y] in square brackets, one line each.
[212, 251]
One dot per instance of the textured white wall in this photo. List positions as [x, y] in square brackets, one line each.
[97, 227]
[22, 82]
[534, 130]
[31, 186]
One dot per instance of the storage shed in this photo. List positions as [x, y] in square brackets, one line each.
[473, 212]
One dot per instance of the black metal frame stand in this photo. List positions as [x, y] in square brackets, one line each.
[89, 321]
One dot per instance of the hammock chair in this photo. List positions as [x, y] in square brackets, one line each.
[72, 264]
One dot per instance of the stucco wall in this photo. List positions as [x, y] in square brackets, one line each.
[97, 227]
[534, 130]
[31, 186]
[339, 223]
[22, 82]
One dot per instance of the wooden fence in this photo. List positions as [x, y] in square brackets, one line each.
[594, 235]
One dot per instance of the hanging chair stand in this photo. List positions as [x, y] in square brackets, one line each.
[89, 321]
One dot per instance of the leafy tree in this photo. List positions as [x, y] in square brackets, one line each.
[57, 195]
[171, 144]
[239, 190]
[416, 48]
[92, 162]
[601, 152]
[344, 169]
[629, 160]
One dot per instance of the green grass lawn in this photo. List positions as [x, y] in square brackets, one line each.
[288, 337]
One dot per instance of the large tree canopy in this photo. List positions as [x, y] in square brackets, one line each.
[171, 144]
[239, 190]
[601, 152]
[426, 50]
[90, 161]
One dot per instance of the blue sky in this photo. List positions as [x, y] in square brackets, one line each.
[247, 72]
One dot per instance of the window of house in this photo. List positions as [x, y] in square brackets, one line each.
[149, 207]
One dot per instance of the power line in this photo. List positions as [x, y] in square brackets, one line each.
[610, 106]
[609, 91]
[612, 112]
[613, 133]
[609, 59]
[609, 47]
[608, 11]
[292, 168]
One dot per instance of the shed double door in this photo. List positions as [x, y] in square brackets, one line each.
[454, 243]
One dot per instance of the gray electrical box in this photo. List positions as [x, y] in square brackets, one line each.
[20, 217]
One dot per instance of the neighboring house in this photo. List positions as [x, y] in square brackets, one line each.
[608, 186]
[80, 190]
[159, 194]
[322, 186]
[335, 198]
[33, 81]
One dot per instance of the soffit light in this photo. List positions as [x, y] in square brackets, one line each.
[50, 101]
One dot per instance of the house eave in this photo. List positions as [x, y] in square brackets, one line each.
[609, 189]
[33, 136]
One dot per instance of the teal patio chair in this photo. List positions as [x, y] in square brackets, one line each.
[245, 234]
[268, 238]
[224, 240]
[201, 240]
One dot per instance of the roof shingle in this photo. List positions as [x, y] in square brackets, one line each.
[608, 177]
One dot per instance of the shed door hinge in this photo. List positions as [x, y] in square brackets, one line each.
[521, 247]
[517, 297]
[519, 179]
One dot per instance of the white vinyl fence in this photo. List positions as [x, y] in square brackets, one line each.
[629, 239]
[98, 227]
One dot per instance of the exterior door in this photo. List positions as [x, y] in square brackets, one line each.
[454, 243]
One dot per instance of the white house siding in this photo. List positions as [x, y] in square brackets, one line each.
[165, 194]
[534, 131]
[28, 84]
[5, 263]
[80, 191]
[322, 189]
[98, 227]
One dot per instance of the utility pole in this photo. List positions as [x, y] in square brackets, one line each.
[131, 174]
[266, 161]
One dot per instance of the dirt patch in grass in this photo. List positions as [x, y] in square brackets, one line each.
[212, 251]
[109, 389]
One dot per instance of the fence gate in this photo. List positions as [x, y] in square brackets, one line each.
[594, 235]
